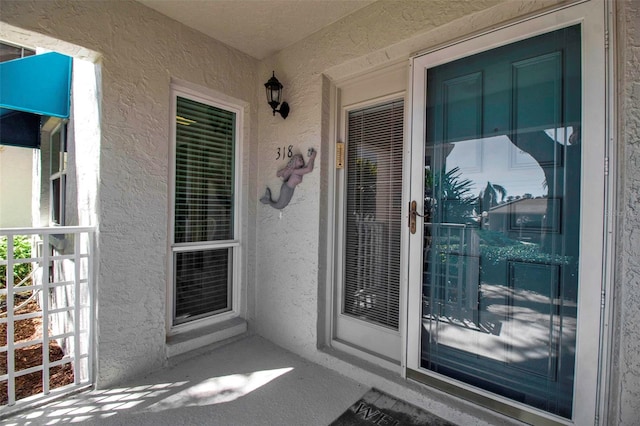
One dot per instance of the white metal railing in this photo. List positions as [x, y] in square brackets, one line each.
[61, 289]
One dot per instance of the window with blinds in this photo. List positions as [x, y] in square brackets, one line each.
[373, 213]
[203, 209]
[58, 174]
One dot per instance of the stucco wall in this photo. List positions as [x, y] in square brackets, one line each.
[625, 386]
[15, 186]
[292, 298]
[139, 52]
[289, 287]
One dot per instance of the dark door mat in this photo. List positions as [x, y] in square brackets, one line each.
[378, 408]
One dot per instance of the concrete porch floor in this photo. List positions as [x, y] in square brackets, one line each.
[247, 382]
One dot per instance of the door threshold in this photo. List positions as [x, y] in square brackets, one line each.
[378, 360]
[487, 400]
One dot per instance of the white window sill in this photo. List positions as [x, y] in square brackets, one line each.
[203, 336]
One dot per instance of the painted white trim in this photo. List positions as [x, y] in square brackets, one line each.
[406, 233]
[607, 315]
[367, 356]
[58, 127]
[171, 182]
[379, 336]
[591, 16]
[205, 245]
[372, 88]
[494, 28]
[332, 202]
[208, 97]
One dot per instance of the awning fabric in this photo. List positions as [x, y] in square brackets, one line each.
[31, 87]
[37, 84]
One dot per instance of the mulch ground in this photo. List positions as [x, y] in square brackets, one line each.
[31, 356]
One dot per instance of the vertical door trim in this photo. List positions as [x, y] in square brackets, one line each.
[349, 94]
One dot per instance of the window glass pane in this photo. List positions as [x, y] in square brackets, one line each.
[204, 209]
[63, 148]
[9, 52]
[502, 220]
[204, 188]
[373, 222]
[202, 283]
[57, 200]
[56, 145]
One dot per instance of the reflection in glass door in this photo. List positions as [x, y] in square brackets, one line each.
[502, 220]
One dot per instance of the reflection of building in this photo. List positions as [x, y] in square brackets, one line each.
[524, 218]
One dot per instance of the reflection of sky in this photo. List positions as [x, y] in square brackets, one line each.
[498, 161]
[559, 134]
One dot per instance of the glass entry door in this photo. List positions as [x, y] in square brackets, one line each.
[496, 252]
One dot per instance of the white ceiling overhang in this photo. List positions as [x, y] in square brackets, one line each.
[259, 28]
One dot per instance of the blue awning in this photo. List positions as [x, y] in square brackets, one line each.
[32, 87]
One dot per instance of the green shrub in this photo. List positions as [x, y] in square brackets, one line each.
[21, 250]
[497, 247]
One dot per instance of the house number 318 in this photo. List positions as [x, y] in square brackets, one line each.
[284, 152]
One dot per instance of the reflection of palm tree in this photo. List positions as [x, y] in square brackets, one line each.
[489, 196]
[455, 194]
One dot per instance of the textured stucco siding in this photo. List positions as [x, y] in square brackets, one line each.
[625, 387]
[292, 299]
[139, 51]
[15, 186]
[285, 255]
[288, 287]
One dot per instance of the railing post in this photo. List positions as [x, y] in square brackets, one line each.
[76, 310]
[92, 309]
[11, 358]
[45, 314]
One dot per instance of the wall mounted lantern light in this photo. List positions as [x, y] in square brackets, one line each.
[274, 94]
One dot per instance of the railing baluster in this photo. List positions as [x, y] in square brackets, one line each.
[45, 313]
[11, 357]
[76, 311]
[91, 310]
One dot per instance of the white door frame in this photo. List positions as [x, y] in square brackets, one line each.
[374, 87]
[592, 16]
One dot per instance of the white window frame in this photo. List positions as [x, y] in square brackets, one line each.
[215, 99]
[60, 174]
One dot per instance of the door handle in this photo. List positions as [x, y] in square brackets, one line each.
[413, 212]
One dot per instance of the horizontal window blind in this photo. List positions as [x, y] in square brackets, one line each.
[204, 209]
[202, 283]
[373, 209]
[204, 181]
